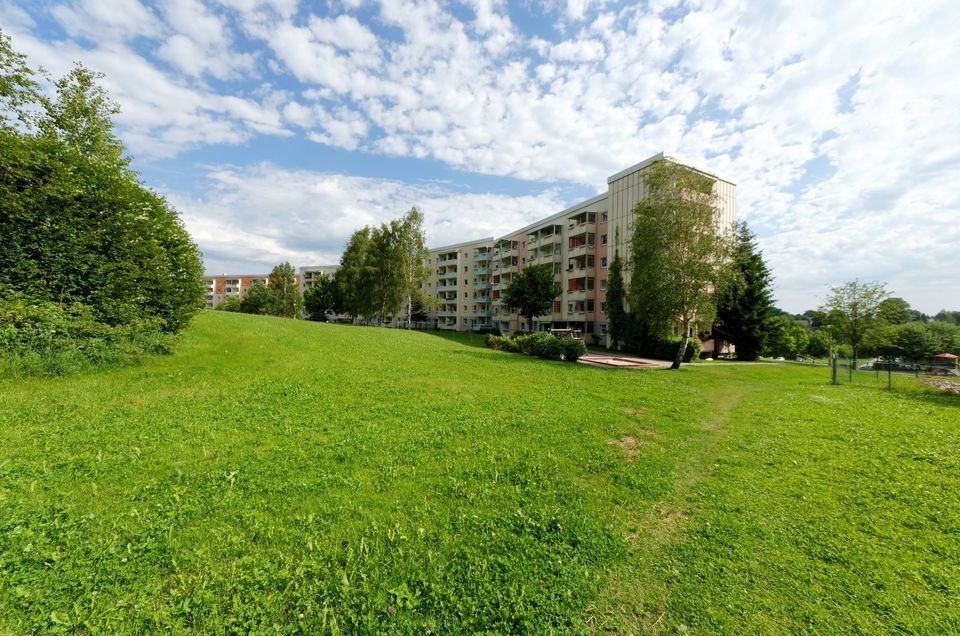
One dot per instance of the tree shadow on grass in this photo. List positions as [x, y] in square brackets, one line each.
[460, 337]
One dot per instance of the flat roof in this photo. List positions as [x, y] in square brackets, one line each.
[459, 245]
[674, 158]
[558, 215]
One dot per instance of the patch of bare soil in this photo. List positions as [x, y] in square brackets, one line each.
[947, 386]
[627, 443]
[632, 412]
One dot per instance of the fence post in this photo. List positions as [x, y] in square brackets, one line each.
[833, 369]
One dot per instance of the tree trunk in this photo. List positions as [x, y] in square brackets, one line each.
[682, 350]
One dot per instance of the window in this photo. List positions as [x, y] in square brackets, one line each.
[603, 239]
[604, 217]
[603, 307]
[603, 329]
[603, 284]
[603, 262]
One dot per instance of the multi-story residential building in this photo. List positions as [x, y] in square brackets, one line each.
[459, 285]
[219, 288]
[578, 242]
[309, 274]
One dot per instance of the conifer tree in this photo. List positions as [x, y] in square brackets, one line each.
[743, 312]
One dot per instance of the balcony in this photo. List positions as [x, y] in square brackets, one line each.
[481, 299]
[481, 313]
[481, 270]
[482, 256]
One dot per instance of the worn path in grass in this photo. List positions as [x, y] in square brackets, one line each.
[277, 476]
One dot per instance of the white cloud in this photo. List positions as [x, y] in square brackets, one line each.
[754, 87]
[256, 216]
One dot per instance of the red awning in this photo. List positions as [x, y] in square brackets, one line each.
[944, 355]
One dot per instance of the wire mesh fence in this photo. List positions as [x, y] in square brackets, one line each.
[847, 370]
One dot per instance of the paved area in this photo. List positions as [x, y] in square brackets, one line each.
[622, 362]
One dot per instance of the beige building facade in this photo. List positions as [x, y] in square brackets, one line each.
[469, 280]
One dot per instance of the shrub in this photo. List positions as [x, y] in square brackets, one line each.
[46, 338]
[509, 345]
[492, 341]
[572, 349]
[547, 346]
[495, 331]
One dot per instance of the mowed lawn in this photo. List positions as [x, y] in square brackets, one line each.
[281, 477]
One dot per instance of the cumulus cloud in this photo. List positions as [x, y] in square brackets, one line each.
[256, 216]
[836, 120]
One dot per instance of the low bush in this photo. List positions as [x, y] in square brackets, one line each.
[492, 331]
[46, 338]
[573, 349]
[540, 344]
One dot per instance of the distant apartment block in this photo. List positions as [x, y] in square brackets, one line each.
[219, 288]
[469, 280]
[310, 273]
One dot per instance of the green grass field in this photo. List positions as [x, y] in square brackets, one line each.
[280, 476]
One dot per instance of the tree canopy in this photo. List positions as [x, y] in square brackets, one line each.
[78, 227]
[853, 309]
[532, 292]
[744, 309]
[321, 297]
[680, 258]
[382, 271]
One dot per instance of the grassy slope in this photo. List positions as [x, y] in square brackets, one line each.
[275, 475]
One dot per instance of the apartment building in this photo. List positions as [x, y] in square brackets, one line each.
[219, 288]
[469, 280]
[459, 284]
[310, 273]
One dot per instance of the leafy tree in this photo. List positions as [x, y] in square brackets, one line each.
[413, 252]
[285, 298]
[786, 337]
[894, 311]
[680, 258]
[820, 344]
[948, 316]
[81, 116]
[258, 300]
[532, 292]
[18, 88]
[231, 303]
[882, 340]
[321, 297]
[355, 277]
[916, 341]
[382, 269]
[946, 335]
[743, 311]
[853, 309]
[77, 225]
[616, 313]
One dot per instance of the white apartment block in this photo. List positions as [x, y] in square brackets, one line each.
[468, 280]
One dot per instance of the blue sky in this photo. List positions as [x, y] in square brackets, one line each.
[278, 127]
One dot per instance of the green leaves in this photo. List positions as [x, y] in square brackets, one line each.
[533, 291]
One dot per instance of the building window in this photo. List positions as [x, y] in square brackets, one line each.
[603, 307]
[604, 217]
[603, 329]
[603, 262]
[603, 284]
[603, 239]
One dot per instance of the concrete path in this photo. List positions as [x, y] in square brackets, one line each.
[622, 362]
